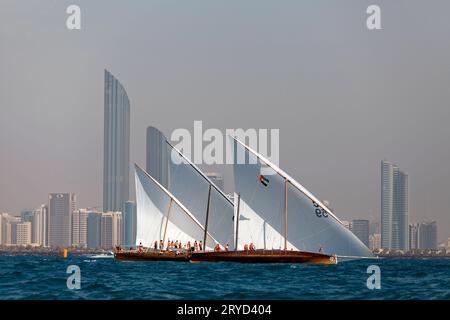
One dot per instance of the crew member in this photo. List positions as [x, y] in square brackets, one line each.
[227, 247]
[217, 247]
[195, 245]
[140, 247]
[200, 246]
[161, 245]
[156, 245]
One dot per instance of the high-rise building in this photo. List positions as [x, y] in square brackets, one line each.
[61, 206]
[158, 157]
[23, 233]
[360, 228]
[129, 223]
[387, 190]
[111, 229]
[94, 229]
[39, 226]
[394, 207]
[79, 227]
[8, 228]
[413, 236]
[427, 234]
[116, 156]
[216, 178]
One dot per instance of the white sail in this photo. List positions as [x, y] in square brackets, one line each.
[201, 196]
[311, 226]
[255, 230]
[161, 216]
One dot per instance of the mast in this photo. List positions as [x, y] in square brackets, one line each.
[237, 221]
[167, 220]
[285, 212]
[207, 217]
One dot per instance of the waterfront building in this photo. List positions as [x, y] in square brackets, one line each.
[39, 226]
[394, 207]
[23, 233]
[413, 236]
[61, 206]
[116, 157]
[111, 229]
[129, 224]
[94, 229]
[80, 227]
[427, 234]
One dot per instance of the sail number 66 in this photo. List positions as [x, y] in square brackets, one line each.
[320, 212]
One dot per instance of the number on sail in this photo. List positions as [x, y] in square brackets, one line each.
[320, 212]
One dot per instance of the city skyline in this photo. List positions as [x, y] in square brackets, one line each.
[164, 70]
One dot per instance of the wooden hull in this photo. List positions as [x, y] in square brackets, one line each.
[151, 256]
[264, 256]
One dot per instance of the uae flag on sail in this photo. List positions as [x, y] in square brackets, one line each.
[264, 180]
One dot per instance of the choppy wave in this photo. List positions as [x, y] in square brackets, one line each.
[26, 277]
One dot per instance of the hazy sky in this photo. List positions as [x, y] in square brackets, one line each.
[343, 97]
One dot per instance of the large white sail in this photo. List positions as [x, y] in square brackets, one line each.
[253, 229]
[161, 216]
[201, 196]
[311, 226]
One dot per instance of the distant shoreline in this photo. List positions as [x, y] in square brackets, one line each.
[47, 251]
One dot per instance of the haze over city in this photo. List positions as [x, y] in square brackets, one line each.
[343, 98]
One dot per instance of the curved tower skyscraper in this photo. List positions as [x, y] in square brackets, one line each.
[116, 156]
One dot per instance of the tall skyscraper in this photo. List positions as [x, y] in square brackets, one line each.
[116, 156]
[61, 206]
[361, 229]
[129, 223]
[39, 226]
[394, 207]
[79, 227]
[427, 234]
[216, 178]
[158, 157]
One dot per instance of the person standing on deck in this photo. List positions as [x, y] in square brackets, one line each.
[156, 245]
[227, 247]
[195, 245]
[245, 247]
[217, 249]
[189, 245]
[200, 246]
[161, 245]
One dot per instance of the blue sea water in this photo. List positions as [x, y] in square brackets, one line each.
[37, 277]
